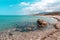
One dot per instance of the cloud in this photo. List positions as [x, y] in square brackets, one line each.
[24, 4]
[41, 6]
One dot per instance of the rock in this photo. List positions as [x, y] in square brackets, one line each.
[58, 25]
[58, 18]
[48, 38]
[10, 34]
[29, 28]
[58, 38]
[41, 23]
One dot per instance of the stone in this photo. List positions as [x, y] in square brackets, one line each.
[29, 28]
[58, 25]
[10, 34]
[48, 38]
[41, 23]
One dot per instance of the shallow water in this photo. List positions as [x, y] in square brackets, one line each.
[7, 22]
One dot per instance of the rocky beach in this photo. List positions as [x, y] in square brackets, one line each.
[50, 34]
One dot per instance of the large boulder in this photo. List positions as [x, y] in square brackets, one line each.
[41, 23]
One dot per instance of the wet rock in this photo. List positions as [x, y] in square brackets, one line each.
[41, 23]
[18, 29]
[29, 28]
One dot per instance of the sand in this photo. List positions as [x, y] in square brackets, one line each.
[51, 34]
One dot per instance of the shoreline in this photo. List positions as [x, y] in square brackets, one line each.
[51, 34]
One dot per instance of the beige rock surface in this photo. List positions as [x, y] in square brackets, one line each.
[32, 35]
[58, 25]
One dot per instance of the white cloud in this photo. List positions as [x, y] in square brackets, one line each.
[49, 10]
[24, 4]
[49, 1]
[41, 6]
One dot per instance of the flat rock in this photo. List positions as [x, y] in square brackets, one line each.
[58, 25]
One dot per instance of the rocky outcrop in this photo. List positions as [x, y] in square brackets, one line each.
[57, 26]
[41, 23]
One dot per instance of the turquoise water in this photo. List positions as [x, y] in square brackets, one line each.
[7, 22]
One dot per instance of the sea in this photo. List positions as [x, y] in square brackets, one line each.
[10, 21]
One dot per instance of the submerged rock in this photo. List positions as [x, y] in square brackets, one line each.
[29, 28]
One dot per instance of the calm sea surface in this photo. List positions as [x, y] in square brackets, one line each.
[7, 22]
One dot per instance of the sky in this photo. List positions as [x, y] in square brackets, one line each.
[27, 7]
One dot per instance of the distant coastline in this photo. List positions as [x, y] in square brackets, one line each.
[48, 14]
